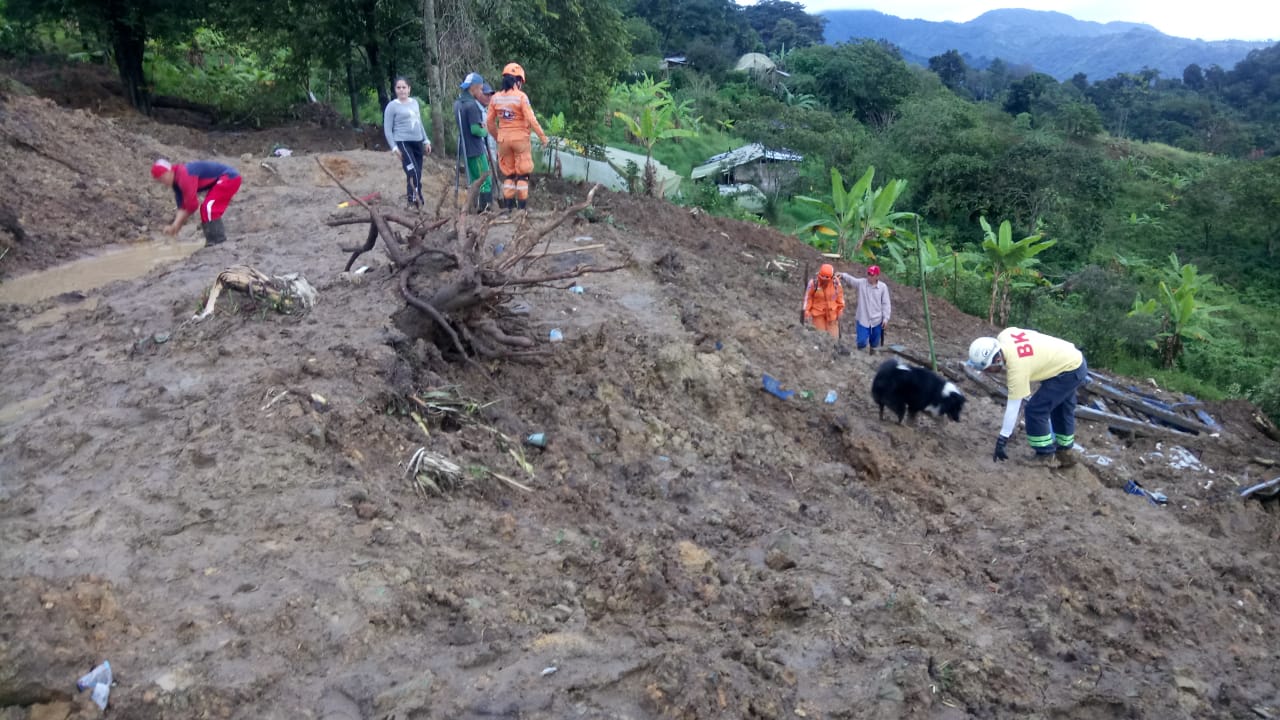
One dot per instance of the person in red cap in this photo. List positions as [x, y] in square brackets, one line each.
[824, 302]
[872, 315]
[219, 183]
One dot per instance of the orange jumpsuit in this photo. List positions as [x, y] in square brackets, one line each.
[510, 120]
[824, 304]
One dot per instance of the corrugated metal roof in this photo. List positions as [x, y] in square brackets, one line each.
[742, 156]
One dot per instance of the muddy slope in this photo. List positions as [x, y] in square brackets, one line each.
[221, 508]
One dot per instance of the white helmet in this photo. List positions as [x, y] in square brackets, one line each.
[982, 351]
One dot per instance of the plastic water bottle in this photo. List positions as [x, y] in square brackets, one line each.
[830, 398]
[100, 675]
[556, 335]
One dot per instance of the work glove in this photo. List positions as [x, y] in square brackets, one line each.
[1000, 455]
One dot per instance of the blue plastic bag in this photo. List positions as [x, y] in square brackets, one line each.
[773, 387]
[1133, 488]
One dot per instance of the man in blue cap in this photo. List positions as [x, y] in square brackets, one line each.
[467, 111]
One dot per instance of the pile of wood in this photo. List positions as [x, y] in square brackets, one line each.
[1103, 399]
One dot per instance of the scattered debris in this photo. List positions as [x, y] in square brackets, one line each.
[1179, 458]
[773, 387]
[830, 398]
[1134, 488]
[1125, 412]
[538, 440]
[367, 198]
[555, 335]
[100, 680]
[1263, 490]
[287, 293]
[428, 471]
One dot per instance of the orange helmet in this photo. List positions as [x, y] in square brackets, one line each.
[826, 272]
[514, 70]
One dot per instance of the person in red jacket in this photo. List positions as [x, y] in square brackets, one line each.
[218, 182]
[510, 120]
[824, 302]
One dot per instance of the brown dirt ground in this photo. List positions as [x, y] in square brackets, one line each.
[693, 547]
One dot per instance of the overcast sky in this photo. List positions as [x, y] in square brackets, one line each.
[1214, 20]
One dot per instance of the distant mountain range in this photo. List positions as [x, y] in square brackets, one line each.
[1050, 42]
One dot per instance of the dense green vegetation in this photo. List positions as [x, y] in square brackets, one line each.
[1152, 204]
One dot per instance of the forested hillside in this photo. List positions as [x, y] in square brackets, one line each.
[1160, 192]
[1045, 41]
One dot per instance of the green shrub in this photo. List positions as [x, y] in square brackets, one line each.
[1267, 395]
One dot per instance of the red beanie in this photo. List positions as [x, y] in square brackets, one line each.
[160, 167]
[873, 271]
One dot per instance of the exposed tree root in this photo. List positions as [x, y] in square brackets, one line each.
[447, 277]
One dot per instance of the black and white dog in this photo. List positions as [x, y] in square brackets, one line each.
[906, 388]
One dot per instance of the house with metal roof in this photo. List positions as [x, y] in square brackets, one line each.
[766, 168]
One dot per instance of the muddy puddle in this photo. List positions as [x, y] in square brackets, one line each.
[89, 273]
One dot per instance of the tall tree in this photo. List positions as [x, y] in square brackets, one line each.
[123, 26]
[431, 57]
[575, 83]
[865, 78]
[781, 22]
[682, 22]
[951, 69]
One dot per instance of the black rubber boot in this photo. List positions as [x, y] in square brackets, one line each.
[214, 232]
[522, 204]
[1066, 457]
[484, 201]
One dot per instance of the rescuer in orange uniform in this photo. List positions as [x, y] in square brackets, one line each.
[510, 120]
[824, 302]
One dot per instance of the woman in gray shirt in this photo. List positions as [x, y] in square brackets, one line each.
[402, 124]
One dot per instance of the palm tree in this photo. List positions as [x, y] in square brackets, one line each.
[1009, 261]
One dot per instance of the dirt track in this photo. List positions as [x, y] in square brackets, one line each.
[693, 546]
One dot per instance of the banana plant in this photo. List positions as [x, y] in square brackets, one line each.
[860, 213]
[556, 128]
[932, 260]
[1182, 315]
[1010, 264]
[654, 123]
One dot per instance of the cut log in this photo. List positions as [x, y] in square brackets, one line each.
[904, 353]
[1147, 408]
[1268, 428]
[1137, 427]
